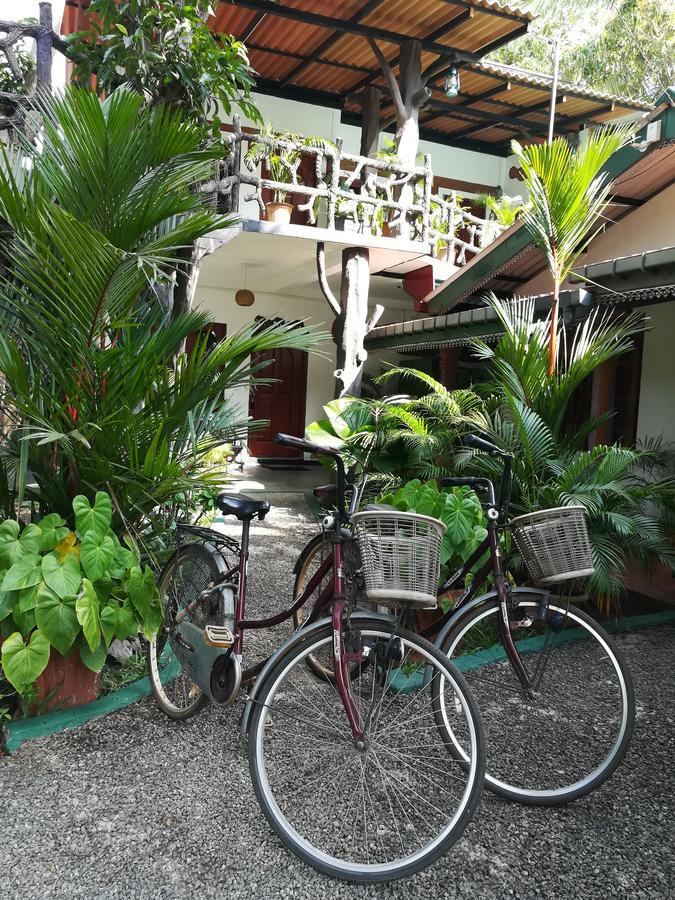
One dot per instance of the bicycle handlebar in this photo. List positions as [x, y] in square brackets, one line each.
[289, 440]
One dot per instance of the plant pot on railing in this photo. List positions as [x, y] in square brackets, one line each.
[279, 212]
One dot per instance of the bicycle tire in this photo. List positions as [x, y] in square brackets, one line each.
[546, 746]
[319, 818]
[200, 568]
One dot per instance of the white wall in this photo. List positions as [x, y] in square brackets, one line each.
[656, 412]
[219, 302]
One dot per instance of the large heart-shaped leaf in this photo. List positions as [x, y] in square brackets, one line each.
[153, 620]
[93, 659]
[87, 608]
[22, 663]
[28, 597]
[24, 621]
[63, 576]
[57, 620]
[126, 622]
[26, 572]
[92, 518]
[14, 546]
[97, 553]
[8, 600]
[53, 529]
[142, 589]
[109, 622]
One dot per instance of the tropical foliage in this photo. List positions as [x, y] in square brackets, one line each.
[165, 51]
[281, 151]
[503, 210]
[567, 193]
[460, 511]
[96, 395]
[62, 589]
[528, 415]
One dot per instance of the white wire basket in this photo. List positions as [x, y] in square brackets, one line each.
[401, 555]
[554, 544]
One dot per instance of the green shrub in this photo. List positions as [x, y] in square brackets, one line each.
[70, 590]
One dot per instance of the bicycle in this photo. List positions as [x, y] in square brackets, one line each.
[353, 773]
[556, 696]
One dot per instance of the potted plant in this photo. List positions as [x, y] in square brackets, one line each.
[443, 248]
[281, 151]
[504, 211]
[461, 512]
[64, 595]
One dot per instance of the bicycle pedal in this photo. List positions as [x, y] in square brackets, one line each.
[218, 636]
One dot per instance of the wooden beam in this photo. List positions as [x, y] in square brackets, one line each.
[448, 27]
[493, 11]
[470, 100]
[251, 27]
[289, 54]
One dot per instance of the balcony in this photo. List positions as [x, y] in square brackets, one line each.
[312, 188]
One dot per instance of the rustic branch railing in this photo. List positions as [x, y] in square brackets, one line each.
[13, 104]
[450, 220]
[366, 192]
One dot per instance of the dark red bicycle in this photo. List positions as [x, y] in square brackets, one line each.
[555, 694]
[353, 771]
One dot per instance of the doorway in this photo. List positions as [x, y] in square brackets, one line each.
[281, 403]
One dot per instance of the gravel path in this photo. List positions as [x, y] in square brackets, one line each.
[135, 806]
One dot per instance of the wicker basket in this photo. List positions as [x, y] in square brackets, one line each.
[401, 555]
[554, 544]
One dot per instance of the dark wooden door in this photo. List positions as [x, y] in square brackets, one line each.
[282, 403]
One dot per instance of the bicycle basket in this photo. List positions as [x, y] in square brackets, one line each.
[554, 544]
[401, 554]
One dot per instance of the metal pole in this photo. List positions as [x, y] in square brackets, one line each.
[554, 87]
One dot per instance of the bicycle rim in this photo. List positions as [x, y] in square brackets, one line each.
[365, 816]
[570, 736]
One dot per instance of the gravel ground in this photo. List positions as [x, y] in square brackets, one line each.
[135, 806]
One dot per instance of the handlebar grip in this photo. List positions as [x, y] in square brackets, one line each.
[479, 443]
[289, 440]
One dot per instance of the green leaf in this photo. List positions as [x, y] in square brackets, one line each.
[97, 553]
[24, 621]
[53, 529]
[23, 663]
[87, 608]
[126, 622]
[93, 659]
[142, 589]
[109, 622]
[95, 518]
[57, 620]
[28, 598]
[14, 546]
[63, 576]
[103, 588]
[8, 600]
[24, 573]
[153, 620]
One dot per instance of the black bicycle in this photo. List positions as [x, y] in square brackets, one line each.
[555, 693]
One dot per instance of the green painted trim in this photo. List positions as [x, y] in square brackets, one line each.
[480, 267]
[406, 684]
[452, 333]
[63, 719]
[51, 723]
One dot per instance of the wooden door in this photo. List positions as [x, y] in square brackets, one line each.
[281, 403]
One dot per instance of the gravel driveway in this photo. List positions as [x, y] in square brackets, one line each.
[135, 806]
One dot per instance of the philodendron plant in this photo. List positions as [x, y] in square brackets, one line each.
[70, 591]
[458, 508]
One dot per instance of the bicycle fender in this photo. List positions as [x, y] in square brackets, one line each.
[279, 654]
[472, 604]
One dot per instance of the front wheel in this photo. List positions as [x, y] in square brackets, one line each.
[569, 736]
[392, 807]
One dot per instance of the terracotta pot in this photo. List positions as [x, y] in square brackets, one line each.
[75, 684]
[386, 229]
[279, 212]
[426, 618]
[444, 253]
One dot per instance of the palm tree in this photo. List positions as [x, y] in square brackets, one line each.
[567, 194]
[96, 394]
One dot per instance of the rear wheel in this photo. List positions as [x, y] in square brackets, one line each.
[389, 809]
[181, 582]
[569, 736]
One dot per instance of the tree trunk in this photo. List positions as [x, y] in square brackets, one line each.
[553, 334]
[352, 321]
